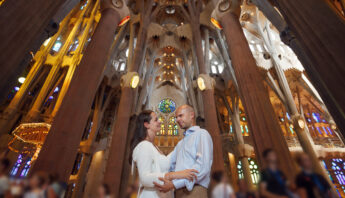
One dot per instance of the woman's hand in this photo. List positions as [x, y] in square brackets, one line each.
[189, 174]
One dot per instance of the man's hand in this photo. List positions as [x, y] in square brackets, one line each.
[167, 186]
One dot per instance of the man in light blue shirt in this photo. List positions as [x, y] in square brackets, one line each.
[194, 151]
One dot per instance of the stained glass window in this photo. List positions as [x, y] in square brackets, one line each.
[17, 165]
[254, 170]
[162, 120]
[57, 45]
[167, 106]
[172, 127]
[338, 166]
[26, 168]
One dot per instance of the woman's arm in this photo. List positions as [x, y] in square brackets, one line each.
[189, 174]
[144, 158]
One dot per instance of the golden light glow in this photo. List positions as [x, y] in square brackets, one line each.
[333, 126]
[201, 83]
[135, 81]
[21, 80]
[172, 54]
[159, 63]
[301, 123]
[46, 42]
[216, 23]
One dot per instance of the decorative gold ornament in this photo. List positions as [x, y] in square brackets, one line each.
[32, 135]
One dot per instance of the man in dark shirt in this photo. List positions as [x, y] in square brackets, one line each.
[310, 184]
[273, 181]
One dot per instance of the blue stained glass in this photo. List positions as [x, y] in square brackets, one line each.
[242, 129]
[246, 128]
[16, 165]
[325, 130]
[319, 130]
[338, 165]
[316, 117]
[330, 131]
[288, 116]
[167, 106]
[57, 46]
[231, 129]
[26, 168]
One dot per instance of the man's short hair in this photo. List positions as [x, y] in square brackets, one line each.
[266, 152]
[5, 162]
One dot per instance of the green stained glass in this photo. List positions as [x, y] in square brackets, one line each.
[254, 170]
[167, 106]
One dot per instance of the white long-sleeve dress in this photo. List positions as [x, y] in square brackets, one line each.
[151, 165]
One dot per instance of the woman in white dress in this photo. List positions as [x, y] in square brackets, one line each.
[150, 161]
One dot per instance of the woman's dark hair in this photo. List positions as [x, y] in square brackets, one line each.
[140, 132]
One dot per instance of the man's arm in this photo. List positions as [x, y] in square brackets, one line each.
[203, 162]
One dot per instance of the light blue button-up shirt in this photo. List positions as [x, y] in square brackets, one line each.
[194, 151]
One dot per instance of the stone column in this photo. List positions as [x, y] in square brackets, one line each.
[240, 148]
[316, 34]
[117, 150]
[62, 143]
[211, 121]
[117, 153]
[263, 123]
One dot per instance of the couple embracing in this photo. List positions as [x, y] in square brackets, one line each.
[186, 170]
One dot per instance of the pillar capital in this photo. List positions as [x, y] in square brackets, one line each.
[224, 7]
[298, 121]
[244, 150]
[205, 82]
[130, 79]
[117, 5]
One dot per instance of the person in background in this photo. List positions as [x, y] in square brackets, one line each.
[55, 189]
[104, 191]
[243, 191]
[273, 182]
[4, 181]
[222, 189]
[37, 184]
[310, 184]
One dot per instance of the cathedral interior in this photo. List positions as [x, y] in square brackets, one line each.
[258, 73]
